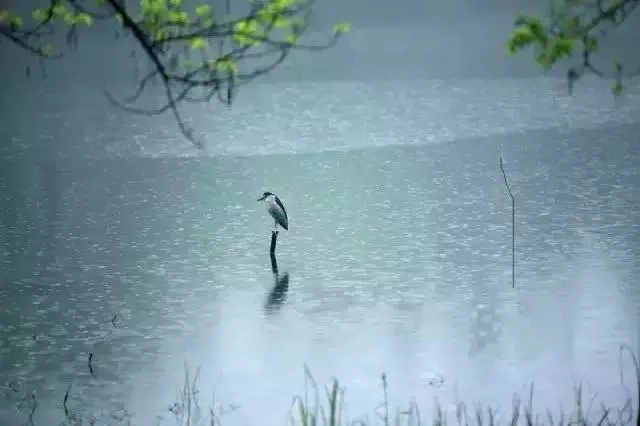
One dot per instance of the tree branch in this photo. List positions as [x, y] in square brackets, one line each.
[176, 44]
[573, 29]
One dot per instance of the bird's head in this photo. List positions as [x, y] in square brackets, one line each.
[265, 195]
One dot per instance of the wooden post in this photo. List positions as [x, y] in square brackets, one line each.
[272, 252]
[274, 240]
[278, 293]
[274, 264]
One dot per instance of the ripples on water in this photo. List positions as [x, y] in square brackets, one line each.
[317, 116]
[399, 256]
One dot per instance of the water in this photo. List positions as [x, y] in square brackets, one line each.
[398, 253]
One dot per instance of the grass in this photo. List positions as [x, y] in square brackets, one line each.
[326, 407]
[330, 411]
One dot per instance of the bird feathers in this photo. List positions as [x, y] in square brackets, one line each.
[276, 209]
[278, 213]
[279, 203]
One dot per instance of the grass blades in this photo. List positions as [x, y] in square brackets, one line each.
[327, 407]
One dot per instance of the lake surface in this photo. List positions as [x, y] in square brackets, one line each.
[398, 251]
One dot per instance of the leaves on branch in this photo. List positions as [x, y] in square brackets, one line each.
[195, 53]
[573, 27]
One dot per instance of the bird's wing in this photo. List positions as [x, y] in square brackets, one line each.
[279, 203]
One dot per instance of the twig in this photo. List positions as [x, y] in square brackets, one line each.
[636, 367]
[89, 364]
[64, 402]
[513, 226]
[113, 320]
[436, 381]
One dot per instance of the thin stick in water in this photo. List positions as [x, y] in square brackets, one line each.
[91, 366]
[513, 226]
[64, 402]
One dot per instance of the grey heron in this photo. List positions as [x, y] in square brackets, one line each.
[276, 210]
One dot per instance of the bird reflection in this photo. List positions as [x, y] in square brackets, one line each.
[278, 294]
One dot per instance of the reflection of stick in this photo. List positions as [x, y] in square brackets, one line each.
[113, 320]
[91, 366]
[274, 264]
[33, 408]
[513, 227]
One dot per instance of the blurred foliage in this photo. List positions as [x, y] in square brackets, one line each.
[195, 52]
[572, 30]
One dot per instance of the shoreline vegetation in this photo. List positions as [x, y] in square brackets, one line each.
[326, 407]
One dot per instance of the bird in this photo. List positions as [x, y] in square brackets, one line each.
[276, 210]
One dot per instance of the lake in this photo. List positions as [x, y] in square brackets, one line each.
[121, 241]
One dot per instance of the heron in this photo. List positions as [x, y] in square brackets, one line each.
[276, 210]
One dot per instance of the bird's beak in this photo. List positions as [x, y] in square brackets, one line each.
[260, 199]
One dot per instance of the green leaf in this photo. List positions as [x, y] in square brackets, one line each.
[556, 49]
[281, 22]
[203, 11]
[224, 65]
[153, 7]
[563, 47]
[178, 17]
[15, 23]
[161, 34]
[246, 32]
[47, 51]
[538, 30]
[59, 10]
[292, 38]
[248, 26]
[284, 4]
[40, 15]
[70, 18]
[617, 88]
[85, 19]
[521, 37]
[198, 43]
[342, 27]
